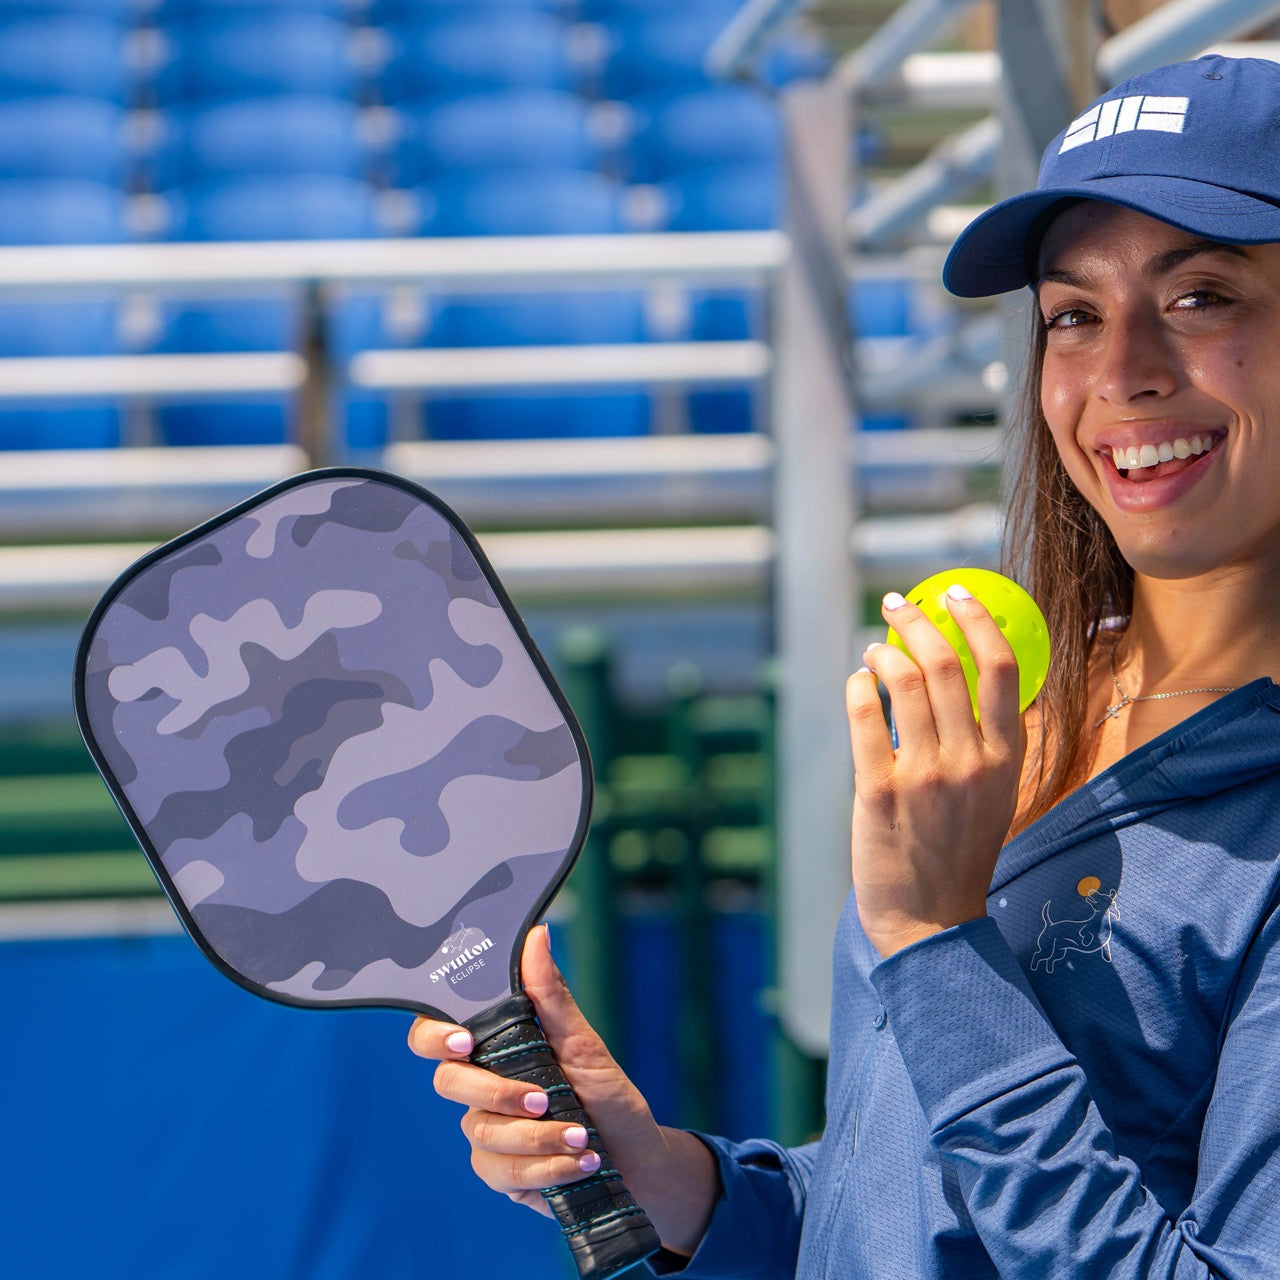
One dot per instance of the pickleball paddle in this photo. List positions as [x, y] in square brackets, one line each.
[353, 774]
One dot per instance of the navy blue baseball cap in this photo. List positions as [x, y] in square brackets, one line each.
[1195, 144]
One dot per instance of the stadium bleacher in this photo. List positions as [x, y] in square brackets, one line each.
[208, 120]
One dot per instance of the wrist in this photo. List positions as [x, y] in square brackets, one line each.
[678, 1187]
[892, 933]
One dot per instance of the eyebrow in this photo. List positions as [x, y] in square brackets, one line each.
[1157, 266]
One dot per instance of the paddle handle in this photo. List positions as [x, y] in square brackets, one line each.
[606, 1230]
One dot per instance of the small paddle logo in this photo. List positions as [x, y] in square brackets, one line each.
[1087, 928]
[462, 954]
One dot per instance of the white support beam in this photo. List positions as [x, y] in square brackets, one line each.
[479, 262]
[492, 368]
[151, 375]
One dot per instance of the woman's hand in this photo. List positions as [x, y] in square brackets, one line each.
[930, 817]
[671, 1174]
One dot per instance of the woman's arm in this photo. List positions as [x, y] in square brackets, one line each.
[1047, 1191]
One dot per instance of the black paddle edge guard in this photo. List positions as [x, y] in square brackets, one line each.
[606, 1230]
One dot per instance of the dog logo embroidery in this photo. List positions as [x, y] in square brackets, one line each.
[1088, 933]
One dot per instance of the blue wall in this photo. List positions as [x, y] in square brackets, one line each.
[161, 1124]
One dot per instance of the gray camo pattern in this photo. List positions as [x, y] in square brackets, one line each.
[340, 750]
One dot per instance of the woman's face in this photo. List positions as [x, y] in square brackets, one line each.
[1161, 386]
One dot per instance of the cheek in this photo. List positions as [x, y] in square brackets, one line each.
[1061, 409]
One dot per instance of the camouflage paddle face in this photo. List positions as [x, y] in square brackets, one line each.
[338, 747]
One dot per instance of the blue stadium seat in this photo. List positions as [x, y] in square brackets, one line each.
[61, 327]
[744, 197]
[465, 52]
[229, 54]
[270, 322]
[64, 53]
[62, 136]
[399, 10]
[116, 10]
[361, 322]
[700, 128]
[73, 423]
[60, 211]
[664, 50]
[276, 134]
[293, 207]
[512, 129]
[633, 10]
[882, 307]
[536, 202]
[278, 207]
[170, 9]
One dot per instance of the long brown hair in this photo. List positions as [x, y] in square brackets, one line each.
[1059, 549]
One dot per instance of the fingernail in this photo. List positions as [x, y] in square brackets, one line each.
[894, 600]
[459, 1042]
[864, 671]
[576, 1137]
[588, 1162]
[535, 1103]
[546, 930]
[956, 592]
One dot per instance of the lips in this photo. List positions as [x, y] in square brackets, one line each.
[1153, 483]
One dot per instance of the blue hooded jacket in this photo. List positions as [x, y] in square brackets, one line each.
[1086, 1082]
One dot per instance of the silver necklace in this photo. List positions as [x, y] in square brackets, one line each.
[1114, 710]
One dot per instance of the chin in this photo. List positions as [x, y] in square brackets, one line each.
[1165, 563]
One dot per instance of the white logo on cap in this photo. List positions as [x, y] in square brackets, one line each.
[1123, 115]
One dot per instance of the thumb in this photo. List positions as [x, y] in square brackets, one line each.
[574, 1039]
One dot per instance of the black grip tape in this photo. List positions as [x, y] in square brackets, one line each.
[606, 1230]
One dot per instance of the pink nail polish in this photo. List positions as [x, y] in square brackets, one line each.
[576, 1137]
[459, 1042]
[536, 1103]
[589, 1162]
[894, 600]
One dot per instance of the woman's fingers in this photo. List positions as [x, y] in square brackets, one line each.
[513, 1150]
[868, 733]
[472, 1086]
[929, 691]
[441, 1041]
[995, 660]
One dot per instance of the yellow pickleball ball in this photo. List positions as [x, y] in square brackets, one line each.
[1015, 613]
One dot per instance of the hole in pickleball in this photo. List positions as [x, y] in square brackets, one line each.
[1001, 621]
[940, 617]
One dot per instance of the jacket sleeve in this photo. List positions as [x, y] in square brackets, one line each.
[1048, 1193]
[754, 1233]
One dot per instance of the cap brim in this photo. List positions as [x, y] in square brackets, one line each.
[990, 255]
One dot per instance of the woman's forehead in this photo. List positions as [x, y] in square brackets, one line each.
[1094, 232]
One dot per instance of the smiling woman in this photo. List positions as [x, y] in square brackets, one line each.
[1055, 1042]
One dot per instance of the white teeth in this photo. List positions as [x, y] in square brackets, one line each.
[1139, 457]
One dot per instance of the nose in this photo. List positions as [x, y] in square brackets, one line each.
[1136, 360]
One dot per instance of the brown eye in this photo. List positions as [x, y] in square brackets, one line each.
[1072, 318]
